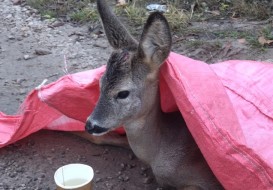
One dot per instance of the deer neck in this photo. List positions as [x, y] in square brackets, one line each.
[144, 132]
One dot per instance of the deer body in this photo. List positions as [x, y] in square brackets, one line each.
[163, 141]
[130, 97]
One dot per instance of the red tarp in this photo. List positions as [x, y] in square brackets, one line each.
[228, 108]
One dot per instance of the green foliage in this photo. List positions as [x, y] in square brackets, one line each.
[137, 15]
[267, 32]
[252, 9]
[84, 15]
[79, 11]
[177, 18]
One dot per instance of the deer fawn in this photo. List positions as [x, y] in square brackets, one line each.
[129, 96]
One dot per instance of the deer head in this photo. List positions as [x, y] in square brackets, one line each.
[129, 86]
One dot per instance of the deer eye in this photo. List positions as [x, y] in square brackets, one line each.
[123, 94]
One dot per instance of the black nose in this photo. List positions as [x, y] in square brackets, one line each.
[93, 128]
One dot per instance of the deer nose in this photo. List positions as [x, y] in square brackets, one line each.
[94, 128]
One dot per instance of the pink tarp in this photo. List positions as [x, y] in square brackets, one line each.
[228, 108]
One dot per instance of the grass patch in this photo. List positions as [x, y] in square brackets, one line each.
[177, 18]
[267, 32]
[252, 9]
[85, 15]
[194, 43]
[178, 11]
[137, 14]
[250, 36]
[219, 9]
[69, 10]
[233, 34]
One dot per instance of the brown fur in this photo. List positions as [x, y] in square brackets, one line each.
[130, 97]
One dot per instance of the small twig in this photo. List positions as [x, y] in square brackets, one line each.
[192, 9]
[65, 66]
[41, 85]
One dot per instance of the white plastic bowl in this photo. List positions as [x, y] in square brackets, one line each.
[74, 176]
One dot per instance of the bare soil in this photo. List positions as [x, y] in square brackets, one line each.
[32, 49]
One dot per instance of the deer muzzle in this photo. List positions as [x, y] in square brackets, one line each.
[93, 128]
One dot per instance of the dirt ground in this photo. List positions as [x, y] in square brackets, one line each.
[32, 49]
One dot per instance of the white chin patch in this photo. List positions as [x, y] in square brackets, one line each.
[99, 134]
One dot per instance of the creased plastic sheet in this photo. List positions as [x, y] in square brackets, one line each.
[228, 108]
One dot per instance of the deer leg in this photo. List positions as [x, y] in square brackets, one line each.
[111, 138]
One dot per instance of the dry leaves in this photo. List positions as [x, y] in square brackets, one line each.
[121, 3]
[242, 41]
[214, 13]
[264, 41]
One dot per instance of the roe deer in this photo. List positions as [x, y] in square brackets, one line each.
[129, 96]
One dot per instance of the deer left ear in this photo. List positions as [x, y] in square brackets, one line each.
[155, 43]
[117, 35]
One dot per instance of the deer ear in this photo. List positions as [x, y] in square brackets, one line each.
[155, 43]
[116, 33]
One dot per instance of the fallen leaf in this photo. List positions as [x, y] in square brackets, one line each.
[215, 13]
[264, 41]
[121, 3]
[242, 41]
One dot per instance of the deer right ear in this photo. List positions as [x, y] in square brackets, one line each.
[156, 39]
[116, 33]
